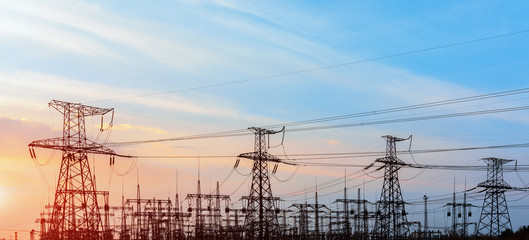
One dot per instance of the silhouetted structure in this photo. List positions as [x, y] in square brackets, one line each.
[75, 212]
[261, 217]
[494, 217]
[391, 221]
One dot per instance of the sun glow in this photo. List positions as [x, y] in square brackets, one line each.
[2, 196]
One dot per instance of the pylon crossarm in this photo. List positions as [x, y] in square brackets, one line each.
[390, 160]
[61, 144]
[82, 191]
[83, 110]
[263, 156]
[495, 185]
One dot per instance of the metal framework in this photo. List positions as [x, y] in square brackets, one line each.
[208, 219]
[391, 221]
[459, 210]
[307, 212]
[346, 224]
[494, 217]
[75, 212]
[261, 218]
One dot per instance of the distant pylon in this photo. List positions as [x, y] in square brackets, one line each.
[75, 212]
[391, 221]
[261, 218]
[494, 217]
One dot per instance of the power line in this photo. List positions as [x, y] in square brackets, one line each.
[319, 68]
[301, 158]
[320, 156]
[406, 108]
[243, 132]
[416, 166]
[412, 119]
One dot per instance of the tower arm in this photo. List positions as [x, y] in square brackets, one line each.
[264, 155]
[61, 144]
[84, 111]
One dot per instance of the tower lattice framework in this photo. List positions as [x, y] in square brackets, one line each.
[261, 218]
[494, 217]
[391, 221]
[75, 213]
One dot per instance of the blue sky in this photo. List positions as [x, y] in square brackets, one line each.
[94, 51]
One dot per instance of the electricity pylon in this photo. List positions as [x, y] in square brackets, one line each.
[261, 218]
[494, 217]
[75, 212]
[391, 221]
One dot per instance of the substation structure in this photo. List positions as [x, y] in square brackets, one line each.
[81, 212]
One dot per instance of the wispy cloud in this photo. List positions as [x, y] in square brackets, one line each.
[41, 87]
[79, 27]
[37, 31]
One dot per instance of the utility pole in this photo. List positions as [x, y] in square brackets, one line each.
[76, 212]
[365, 215]
[494, 217]
[358, 215]
[346, 207]
[465, 216]
[317, 214]
[261, 216]
[346, 225]
[179, 214]
[199, 216]
[391, 221]
[425, 216]
[454, 218]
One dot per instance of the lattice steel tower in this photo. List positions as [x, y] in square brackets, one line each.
[391, 221]
[261, 217]
[494, 217]
[75, 212]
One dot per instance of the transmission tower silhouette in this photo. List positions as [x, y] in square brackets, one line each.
[75, 212]
[261, 217]
[391, 221]
[494, 217]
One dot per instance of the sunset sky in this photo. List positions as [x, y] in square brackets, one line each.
[179, 68]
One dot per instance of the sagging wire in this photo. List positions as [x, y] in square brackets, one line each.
[326, 185]
[413, 158]
[282, 139]
[127, 172]
[100, 131]
[235, 168]
[419, 174]
[109, 183]
[286, 156]
[102, 128]
[409, 148]
[330, 193]
[34, 156]
[226, 178]
[38, 165]
[527, 194]
[289, 178]
[518, 174]
[243, 182]
[369, 166]
[110, 125]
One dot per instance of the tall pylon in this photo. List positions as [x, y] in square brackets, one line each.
[75, 212]
[261, 218]
[494, 217]
[391, 221]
